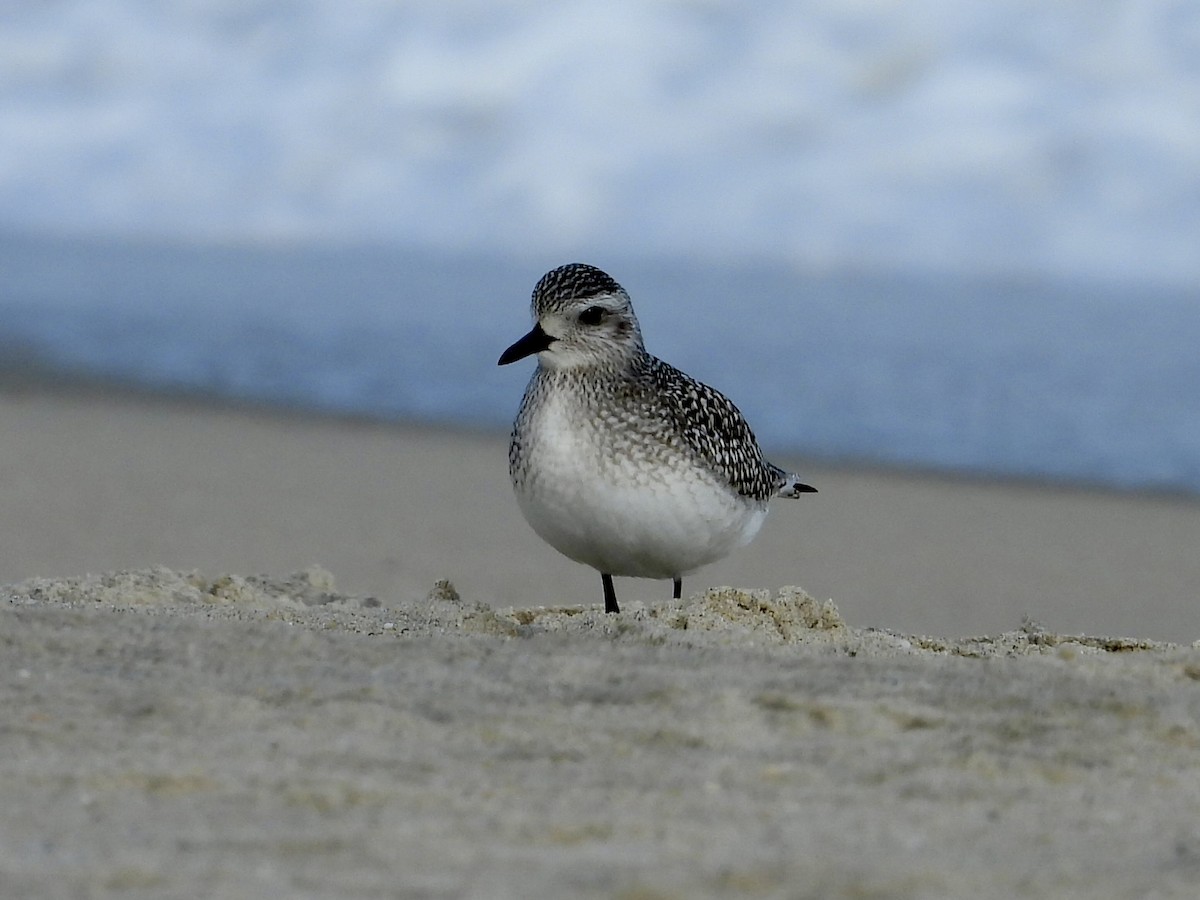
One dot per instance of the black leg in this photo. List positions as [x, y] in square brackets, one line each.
[678, 588]
[610, 595]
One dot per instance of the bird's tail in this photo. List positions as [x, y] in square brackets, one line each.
[790, 484]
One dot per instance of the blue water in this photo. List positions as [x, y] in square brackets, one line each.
[785, 188]
[1063, 380]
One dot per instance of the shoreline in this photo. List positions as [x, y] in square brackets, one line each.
[100, 479]
[16, 383]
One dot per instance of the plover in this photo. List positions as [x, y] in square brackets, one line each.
[619, 460]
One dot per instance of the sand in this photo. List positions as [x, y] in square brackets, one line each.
[449, 714]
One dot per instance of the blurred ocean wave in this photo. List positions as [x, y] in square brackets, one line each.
[1053, 138]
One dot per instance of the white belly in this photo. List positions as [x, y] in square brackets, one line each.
[610, 506]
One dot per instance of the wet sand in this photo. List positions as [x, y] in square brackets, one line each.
[183, 727]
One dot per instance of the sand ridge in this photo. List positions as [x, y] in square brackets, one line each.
[724, 616]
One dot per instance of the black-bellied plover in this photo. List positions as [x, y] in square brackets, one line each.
[620, 461]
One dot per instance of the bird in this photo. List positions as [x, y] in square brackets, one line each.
[620, 461]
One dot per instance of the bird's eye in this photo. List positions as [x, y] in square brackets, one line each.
[592, 315]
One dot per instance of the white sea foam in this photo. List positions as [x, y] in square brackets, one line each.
[1059, 137]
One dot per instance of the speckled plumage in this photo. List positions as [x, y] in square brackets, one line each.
[619, 460]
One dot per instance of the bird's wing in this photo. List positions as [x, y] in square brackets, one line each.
[715, 430]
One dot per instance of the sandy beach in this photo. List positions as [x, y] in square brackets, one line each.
[252, 654]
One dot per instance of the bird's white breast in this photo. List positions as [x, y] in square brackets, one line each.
[621, 502]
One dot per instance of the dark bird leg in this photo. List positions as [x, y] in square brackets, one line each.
[610, 595]
[678, 588]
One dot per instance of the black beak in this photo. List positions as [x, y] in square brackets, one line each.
[534, 342]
